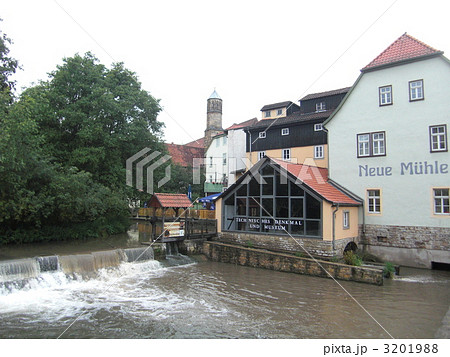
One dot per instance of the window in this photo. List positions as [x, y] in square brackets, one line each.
[438, 138]
[374, 201]
[416, 90]
[279, 111]
[285, 131]
[378, 144]
[318, 152]
[261, 154]
[262, 134]
[346, 219]
[274, 205]
[320, 107]
[210, 161]
[371, 144]
[441, 200]
[210, 178]
[385, 95]
[217, 142]
[224, 141]
[224, 158]
[287, 154]
[318, 127]
[267, 114]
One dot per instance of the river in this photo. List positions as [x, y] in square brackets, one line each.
[202, 299]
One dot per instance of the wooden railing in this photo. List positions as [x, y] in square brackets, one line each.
[170, 213]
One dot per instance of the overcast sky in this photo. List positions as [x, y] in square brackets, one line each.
[253, 52]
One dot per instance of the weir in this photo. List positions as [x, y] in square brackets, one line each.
[23, 269]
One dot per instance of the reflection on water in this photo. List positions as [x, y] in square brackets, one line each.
[153, 299]
[137, 233]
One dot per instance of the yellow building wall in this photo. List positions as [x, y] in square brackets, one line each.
[299, 155]
[340, 232]
[273, 114]
[218, 210]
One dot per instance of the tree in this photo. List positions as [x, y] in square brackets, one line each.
[96, 118]
[8, 66]
[63, 149]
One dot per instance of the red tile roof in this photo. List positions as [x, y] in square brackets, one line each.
[317, 179]
[199, 143]
[243, 124]
[405, 48]
[184, 155]
[170, 200]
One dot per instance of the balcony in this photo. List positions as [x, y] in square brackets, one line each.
[212, 187]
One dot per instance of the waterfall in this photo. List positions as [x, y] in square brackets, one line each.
[107, 258]
[139, 254]
[172, 248]
[50, 263]
[18, 269]
[83, 264]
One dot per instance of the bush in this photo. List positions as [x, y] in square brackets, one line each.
[351, 258]
[388, 270]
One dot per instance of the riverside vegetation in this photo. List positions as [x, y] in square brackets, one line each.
[64, 143]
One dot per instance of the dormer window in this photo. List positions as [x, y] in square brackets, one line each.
[318, 127]
[320, 107]
[262, 134]
[280, 112]
[285, 131]
[267, 114]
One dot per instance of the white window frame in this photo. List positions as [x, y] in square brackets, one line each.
[286, 154]
[261, 154]
[224, 158]
[441, 201]
[262, 134]
[438, 138]
[374, 201]
[371, 144]
[385, 95]
[346, 219]
[279, 112]
[210, 161]
[267, 114]
[416, 90]
[320, 107]
[319, 152]
[378, 144]
[318, 127]
[363, 145]
[285, 131]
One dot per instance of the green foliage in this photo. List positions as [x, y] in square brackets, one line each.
[299, 254]
[351, 258]
[63, 148]
[388, 270]
[249, 244]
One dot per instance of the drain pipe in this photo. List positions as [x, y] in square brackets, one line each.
[334, 226]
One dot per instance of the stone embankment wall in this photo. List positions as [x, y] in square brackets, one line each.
[413, 246]
[316, 247]
[257, 258]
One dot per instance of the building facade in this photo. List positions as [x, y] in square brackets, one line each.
[297, 137]
[388, 144]
[284, 206]
[225, 158]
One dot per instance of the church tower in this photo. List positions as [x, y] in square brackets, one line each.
[213, 117]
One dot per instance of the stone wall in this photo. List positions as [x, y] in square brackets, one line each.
[257, 258]
[316, 247]
[414, 246]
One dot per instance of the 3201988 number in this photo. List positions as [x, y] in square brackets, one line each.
[410, 348]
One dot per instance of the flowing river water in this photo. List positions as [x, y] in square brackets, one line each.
[183, 298]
